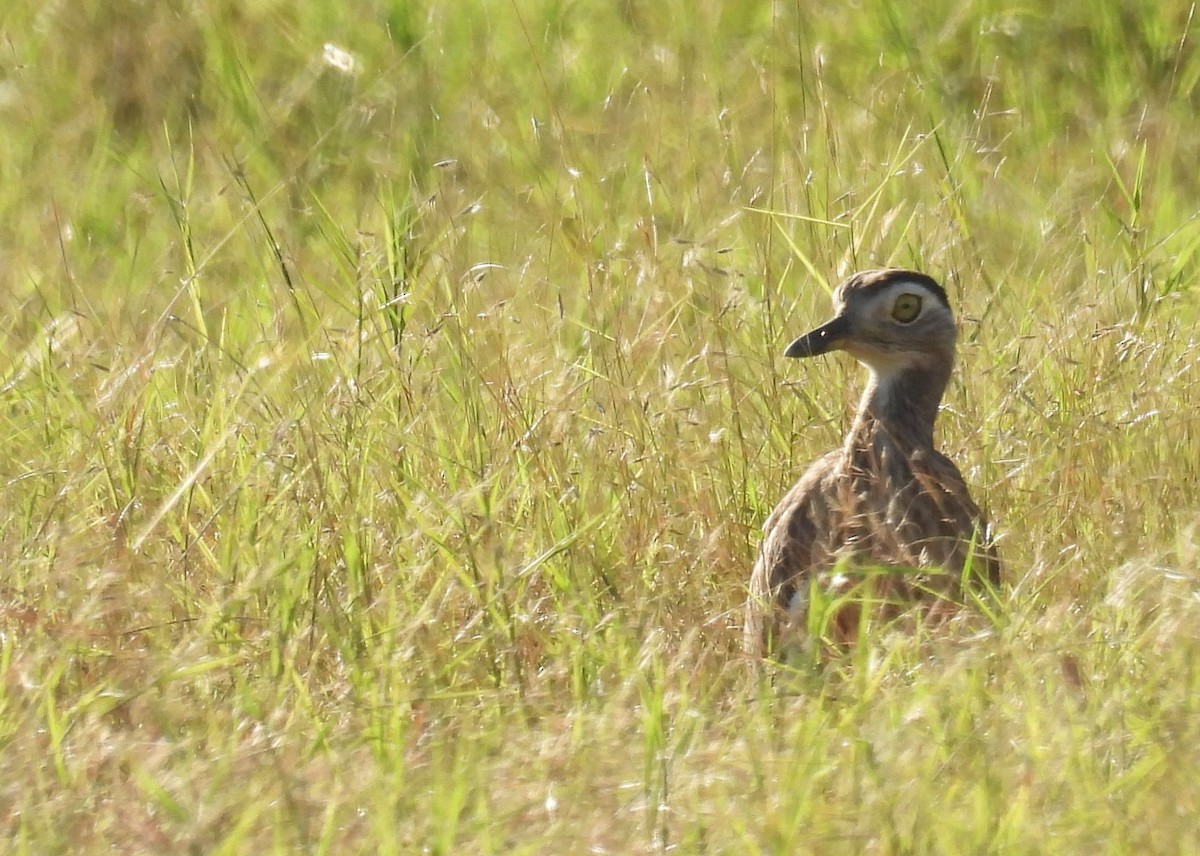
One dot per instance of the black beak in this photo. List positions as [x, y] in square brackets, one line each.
[828, 337]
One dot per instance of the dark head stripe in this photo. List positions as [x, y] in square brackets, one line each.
[870, 281]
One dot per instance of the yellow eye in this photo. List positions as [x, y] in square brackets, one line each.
[906, 308]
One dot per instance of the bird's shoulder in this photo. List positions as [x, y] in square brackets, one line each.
[942, 481]
[941, 477]
[816, 481]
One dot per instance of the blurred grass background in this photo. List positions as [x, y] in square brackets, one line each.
[391, 397]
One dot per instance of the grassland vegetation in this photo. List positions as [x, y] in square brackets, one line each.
[392, 392]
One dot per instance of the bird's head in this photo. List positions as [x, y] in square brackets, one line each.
[890, 320]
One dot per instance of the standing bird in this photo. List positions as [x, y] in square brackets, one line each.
[887, 503]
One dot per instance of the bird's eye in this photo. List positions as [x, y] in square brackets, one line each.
[906, 308]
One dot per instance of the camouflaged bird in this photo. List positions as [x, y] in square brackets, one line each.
[887, 510]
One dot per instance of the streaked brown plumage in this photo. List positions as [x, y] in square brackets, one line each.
[886, 499]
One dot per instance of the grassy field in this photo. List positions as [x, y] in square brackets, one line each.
[391, 399]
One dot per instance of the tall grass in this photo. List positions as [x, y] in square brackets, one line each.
[391, 397]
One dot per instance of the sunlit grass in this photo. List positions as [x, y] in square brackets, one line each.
[391, 398]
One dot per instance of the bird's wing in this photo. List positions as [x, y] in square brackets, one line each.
[791, 549]
[957, 516]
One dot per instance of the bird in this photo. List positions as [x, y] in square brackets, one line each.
[886, 519]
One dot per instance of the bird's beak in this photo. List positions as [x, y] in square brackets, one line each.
[828, 337]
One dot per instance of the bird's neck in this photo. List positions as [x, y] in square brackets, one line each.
[903, 404]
